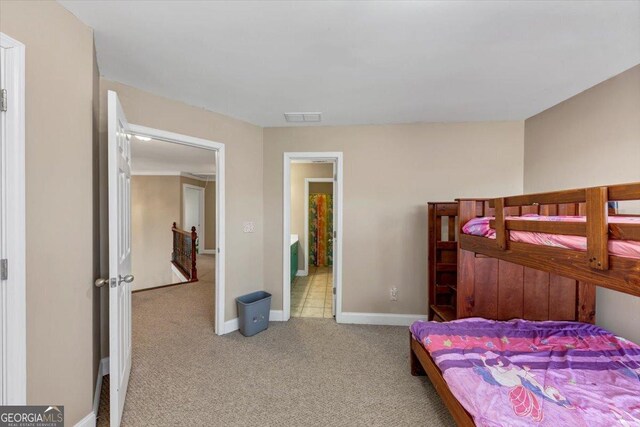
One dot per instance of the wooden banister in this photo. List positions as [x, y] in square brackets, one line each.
[194, 253]
[184, 253]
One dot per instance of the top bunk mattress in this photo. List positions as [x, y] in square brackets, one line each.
[622, 248]
[522, 373]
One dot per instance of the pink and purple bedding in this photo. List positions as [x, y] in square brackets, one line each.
[521, 372]
[623, 248]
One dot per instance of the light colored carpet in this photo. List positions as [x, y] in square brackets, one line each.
[306, 372]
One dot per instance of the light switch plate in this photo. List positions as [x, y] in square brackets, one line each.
[249, 227]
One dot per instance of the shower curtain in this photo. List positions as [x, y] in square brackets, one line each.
[320, 229]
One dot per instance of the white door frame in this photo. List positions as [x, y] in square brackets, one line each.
[201, 214]
[220, 206]
[307, 181]
[336, 157]
[12, 221]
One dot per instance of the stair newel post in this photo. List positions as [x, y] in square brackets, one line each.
[194, 271]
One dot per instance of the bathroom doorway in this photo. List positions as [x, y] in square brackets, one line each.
[312, 212]
[312, 221]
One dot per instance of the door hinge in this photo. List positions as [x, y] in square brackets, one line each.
[3, 100]
[335, 234]
[334, 290]
[4, 269]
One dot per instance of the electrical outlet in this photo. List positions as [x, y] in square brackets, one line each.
[249, 227]
[394, 294]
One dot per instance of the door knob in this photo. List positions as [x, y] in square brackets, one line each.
[126, 279]
[101, 282]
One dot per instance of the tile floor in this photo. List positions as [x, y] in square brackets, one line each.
[312, 296]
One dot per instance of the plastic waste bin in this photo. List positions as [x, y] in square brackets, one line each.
[253, 312]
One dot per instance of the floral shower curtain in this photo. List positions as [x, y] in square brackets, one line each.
[320, 229]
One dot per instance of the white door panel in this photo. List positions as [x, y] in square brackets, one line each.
[119, 154]
[333, 240]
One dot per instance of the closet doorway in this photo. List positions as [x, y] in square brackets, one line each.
[312, 235]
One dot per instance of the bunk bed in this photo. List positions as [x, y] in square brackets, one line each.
[522, 260]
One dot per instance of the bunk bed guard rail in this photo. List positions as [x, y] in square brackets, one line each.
[596, 229]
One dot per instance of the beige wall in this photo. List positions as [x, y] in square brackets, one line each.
[243, 146]
[390, 173]
[210, 214]
[59, 201]
[321, 187]
[155, 205]
[299, 172]
[591, 139]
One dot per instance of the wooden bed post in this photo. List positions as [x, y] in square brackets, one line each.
[597, 228]
[467, 210]
[431, 239]
[586, 303]
[501, 230]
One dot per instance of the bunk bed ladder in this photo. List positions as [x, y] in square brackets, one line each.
[443, 260]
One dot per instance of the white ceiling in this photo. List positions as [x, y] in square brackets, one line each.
[166, 157]
[364, 62]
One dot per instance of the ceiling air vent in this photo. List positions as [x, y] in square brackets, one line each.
[303, 117]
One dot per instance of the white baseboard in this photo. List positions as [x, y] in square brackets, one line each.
[88, 421]
[231, 325]
[301, 273]
[234, 324]
[276, 316]
[388, 319]
[103, 369]
[178, 273]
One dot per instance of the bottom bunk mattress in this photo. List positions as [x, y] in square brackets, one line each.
[521, 372]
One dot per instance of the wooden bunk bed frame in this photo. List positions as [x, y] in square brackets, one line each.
[593, 266]
[564, 277]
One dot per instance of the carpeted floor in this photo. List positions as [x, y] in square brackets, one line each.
[306, 372]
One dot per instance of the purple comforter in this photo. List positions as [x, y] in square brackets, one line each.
[520, 372]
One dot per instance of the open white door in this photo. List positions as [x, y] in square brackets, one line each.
[120, 278]
[13, 329]
[334, 238]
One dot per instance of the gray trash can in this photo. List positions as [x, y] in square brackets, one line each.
[253, 312]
